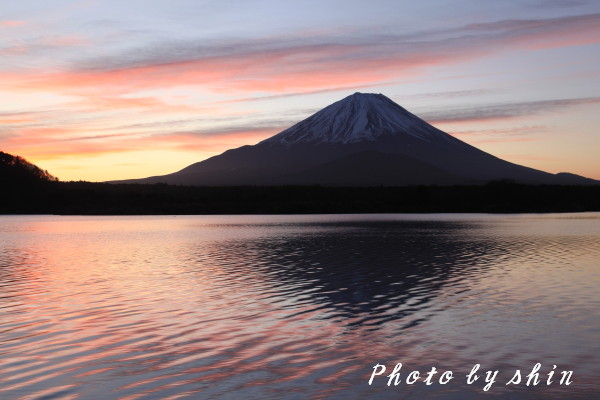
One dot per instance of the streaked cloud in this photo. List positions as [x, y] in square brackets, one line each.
[307, 62]
[503, 111]
[512, 131]
[77, 83]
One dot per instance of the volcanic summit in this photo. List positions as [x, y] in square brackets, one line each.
[361, 140]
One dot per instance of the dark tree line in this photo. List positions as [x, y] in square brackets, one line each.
[99, 198]
[28, 189]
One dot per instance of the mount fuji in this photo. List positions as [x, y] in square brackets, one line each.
[361, 140]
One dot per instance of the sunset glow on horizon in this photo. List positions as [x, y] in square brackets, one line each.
[114, 90]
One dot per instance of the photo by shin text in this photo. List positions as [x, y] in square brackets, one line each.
[533, 377]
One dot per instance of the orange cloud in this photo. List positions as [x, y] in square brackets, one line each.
[38, 140]
[275, 67]
[104, 103]
[502, 140]
[527, 157]
[47, 143]
[48, 149]
[9, 121]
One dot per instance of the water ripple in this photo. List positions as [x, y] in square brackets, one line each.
[293, 307]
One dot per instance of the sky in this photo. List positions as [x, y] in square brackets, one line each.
[106, 90]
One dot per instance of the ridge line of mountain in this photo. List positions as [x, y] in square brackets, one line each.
[359, 123]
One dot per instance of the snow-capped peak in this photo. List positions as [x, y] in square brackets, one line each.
[356, 118]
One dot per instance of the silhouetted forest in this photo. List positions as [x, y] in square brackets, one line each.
[27, 189]
[16, 171]
[51, 197]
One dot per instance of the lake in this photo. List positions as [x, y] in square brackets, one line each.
[299, 306]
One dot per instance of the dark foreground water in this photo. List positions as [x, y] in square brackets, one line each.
[298, 307]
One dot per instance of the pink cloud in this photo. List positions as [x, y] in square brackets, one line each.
[279, 68]
[275, 73]
[12, 23]
[276, 68]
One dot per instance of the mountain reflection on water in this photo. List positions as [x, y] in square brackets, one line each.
[295, 306]
[370, 272]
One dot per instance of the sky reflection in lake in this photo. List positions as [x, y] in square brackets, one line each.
[295, 306]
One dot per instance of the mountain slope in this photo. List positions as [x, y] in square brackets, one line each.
[328, 144]
[371, 168]
[16, 171]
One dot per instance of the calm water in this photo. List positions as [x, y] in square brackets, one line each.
[297, 307]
